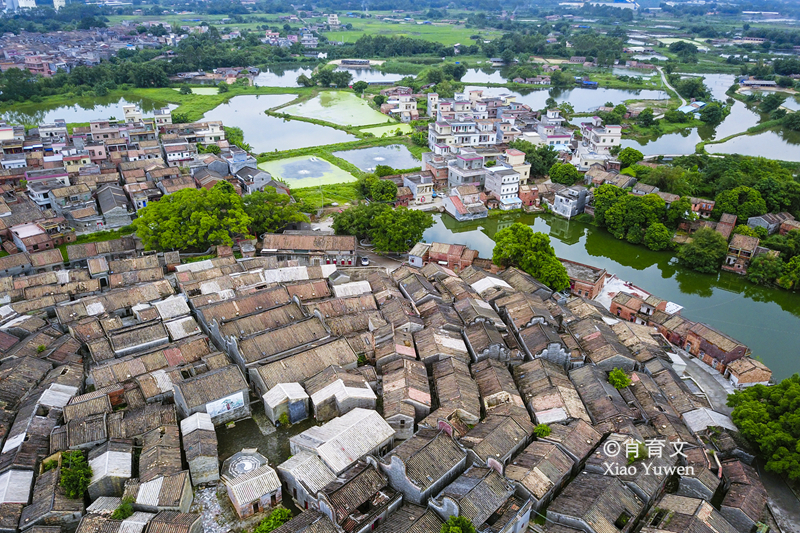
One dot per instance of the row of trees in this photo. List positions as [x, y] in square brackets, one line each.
[194, 219]
[389, 230]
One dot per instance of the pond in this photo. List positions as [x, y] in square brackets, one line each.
[645, 57]
[765, 319]
[583, 100]
[486, 75]
[388, 130]
[268, 134]
[634, 73]
[371, 74]
[84, 110]
[779, 144]
[396, 156]
[338, 107]
[279, 77]
[306, 171]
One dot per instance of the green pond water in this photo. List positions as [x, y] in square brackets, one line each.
[763, 318]
[337, 107]
[306, 171]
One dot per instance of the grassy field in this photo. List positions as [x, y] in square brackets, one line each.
[205, 91]
[442, 33]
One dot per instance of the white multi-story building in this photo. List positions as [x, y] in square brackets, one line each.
[503, 183]
[600, 139]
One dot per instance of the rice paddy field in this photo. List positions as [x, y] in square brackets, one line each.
[338, 107]
[306, 171]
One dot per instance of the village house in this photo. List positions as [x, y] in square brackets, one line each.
[540, 472]
[483, 497]
[741, 250]
[111, 467]
[200, 446]
[311, 250]
[288, 399]
[252, 485]
[222, 393]
[341, 441]
[406, 395]
[548, 393]
[336, 391]
[505, 431]
[746, 372]
[585, 280]
[702, 207]
[713, 347]
[423, 465]
[464, 203]
[744, 504]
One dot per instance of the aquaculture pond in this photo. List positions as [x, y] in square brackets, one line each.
[582, 100]
[780, 144]
[83, 110]
[338, 107]
[306, 171]
[388, 130]
[396, 156]
[269, 134]
[765, 319]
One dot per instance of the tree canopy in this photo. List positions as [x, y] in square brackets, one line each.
[541, 157]
[390, 230]
[629, 156]
[618, 378]
[193, 218]
[705, 251]
[271, 212]
[565, 174]
[457, 524]
[768, 417]
[76, 474]
[518, 245]
[744, 202]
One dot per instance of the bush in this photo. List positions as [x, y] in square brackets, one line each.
[283, 420]
[639, 454]
[541, 431]
[125, 510]
[76, 474]
[457, 524]
[275, 519]
[618, 378]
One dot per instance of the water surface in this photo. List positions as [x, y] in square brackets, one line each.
[268, 134]
[396, 156]
[765, 319]
[84, 110]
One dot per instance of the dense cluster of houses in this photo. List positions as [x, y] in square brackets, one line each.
[426, 385]
[58, 184]
[46, 53]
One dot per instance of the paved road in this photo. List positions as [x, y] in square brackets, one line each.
[664, 79]
[783, 503]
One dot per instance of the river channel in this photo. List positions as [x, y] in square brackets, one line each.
[763, 318]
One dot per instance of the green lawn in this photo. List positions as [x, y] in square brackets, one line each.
[338, 107]
[306, 171]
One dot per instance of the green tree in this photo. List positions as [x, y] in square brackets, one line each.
[357, 220]
[771, 102]
[768, 417]
[518, 245]
[379, 99]
[193, 218]
[744, 229]
[658, 237]
[223, 88]
[565, 174]
[76, 474]
[397, 230]
[790, 276]
[765, 269]
[605, 196]
[628, 156]
[742, 201]
[645, 118]
[679, 210]
[618, 378]
[792, 121]
[360, 86]
[420, 138]
[541, 157]
[705, 252]
[271, 212]
[630, 216]
[457, 524]
[712, 113]
[383, 191]
[384, 170]
[185, 89]
[541, 431]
